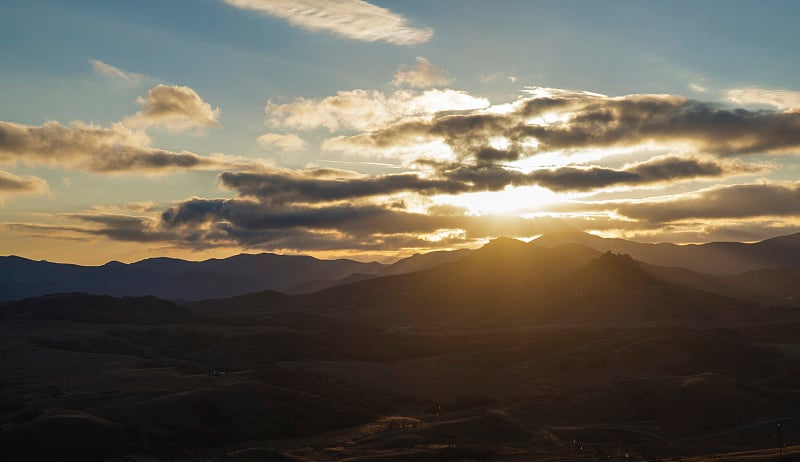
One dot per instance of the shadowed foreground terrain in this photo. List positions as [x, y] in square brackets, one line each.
[515, 352]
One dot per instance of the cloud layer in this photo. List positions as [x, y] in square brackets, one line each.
[588, 122]
[637, 164]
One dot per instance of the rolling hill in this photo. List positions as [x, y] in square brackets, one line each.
[710, 258]
[188, 280]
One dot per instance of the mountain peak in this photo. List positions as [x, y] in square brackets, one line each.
[615, 268]
[504, 243]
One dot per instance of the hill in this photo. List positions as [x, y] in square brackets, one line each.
[176, 279]
[711, 258]
[509, 281]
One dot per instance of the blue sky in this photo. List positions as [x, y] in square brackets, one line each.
[89, 61]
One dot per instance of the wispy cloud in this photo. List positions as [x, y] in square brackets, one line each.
[367, 109]
[353, 19]
[786, 100]
[11, 184]
[694, 86]
[112, 71]
[423, 74]
[283, 142]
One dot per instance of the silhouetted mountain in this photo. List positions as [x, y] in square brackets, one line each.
[496, 278]
[96, 309]
[516, 349]
[176, 279]
[509, 281]
[310, 287]
[766, 287]
[711, 258]
[423, 261]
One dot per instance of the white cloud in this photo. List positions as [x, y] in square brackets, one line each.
[367, 109]
[422, 75]
[694, 86]
[353, 19]
[112, 71]
[174, 108]
[786, 100]
[288, 142]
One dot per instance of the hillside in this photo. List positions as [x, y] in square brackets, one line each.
[710, 258]
[176, 279]
[508, 281]
[514, 352]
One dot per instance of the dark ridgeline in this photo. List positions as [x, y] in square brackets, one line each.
[186, 280]
[549, 350]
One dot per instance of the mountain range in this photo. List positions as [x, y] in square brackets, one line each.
[176, 279]
[765, 272]
[514, 351]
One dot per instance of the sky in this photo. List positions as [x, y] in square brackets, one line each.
[375, 130]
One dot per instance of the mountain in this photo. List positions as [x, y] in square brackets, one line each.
[538, 353]
[188, 280]
[710, 258]
[423, 261]
[766, 287]
[95, 309]
[512, 282]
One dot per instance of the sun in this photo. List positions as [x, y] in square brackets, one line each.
[512, 200]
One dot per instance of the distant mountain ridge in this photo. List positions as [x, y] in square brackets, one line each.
[176, 279]
[765, 272]
[512, 282]
[710, 258]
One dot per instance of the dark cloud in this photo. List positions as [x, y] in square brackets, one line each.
[15, 184]
[659, 169]
[588, 122]
[739, 201]
[115, 149]
[285, 186]
[280, 187]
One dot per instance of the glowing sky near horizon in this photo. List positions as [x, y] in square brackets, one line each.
[374, 130]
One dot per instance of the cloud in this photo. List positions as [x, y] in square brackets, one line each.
[367, 109]
[570, 121]
[353, 19]
[422, 75]
[115, 149]
[109, 70]
[287, 143]
[281, 187]
[785, 100]
[174, 108]
[652, 171]
[141, 207]
[737, 201]
[366, 226]
[314, 186]
[11, 184]
[655, 170]
[694, 86]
